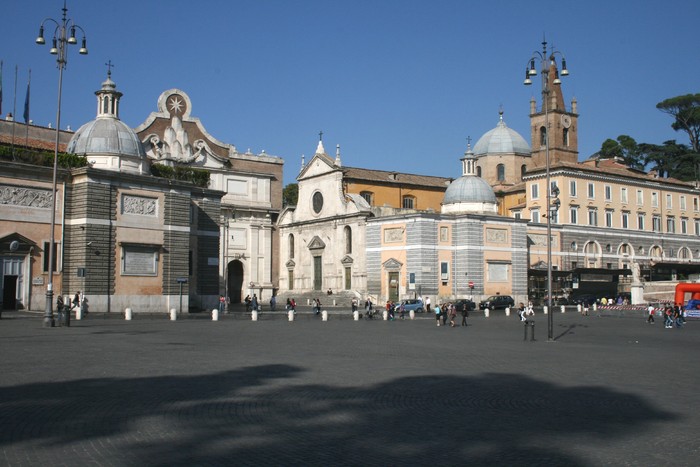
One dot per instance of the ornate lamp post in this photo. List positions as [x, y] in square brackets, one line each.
[545, 60]
[64, 34]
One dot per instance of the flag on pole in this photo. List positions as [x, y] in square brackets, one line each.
[26, 99]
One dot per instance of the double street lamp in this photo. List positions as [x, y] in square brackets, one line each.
[546, 61]
[64, 34]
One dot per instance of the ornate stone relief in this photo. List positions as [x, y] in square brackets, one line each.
[497, 235]
[393, 235]
[139, 205]
[26, 197]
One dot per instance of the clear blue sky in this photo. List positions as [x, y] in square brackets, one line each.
[399, 84]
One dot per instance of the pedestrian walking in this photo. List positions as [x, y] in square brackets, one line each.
[273, 303]
[427, 304]
[222, 303]
[437, 314]
[465, 312]
[650, 318]
[453, 315]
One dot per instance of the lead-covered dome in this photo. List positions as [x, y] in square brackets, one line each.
[107, 142]
[469, 193]
[501, 140]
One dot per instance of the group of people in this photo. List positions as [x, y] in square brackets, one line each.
[525, 313]
[448, 310]
[611, 301]
[673, 316]
[251, 303]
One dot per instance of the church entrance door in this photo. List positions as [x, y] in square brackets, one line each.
[234, 285]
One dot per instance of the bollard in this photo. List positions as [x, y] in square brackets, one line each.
[308, 301]
[532, 330]
[546, 309]
[412, 314]
[507, 311]
[127, 314]
[525, 325]
[215, 315]
[254, 315]
[385, 315]
[579, 308]
[173, 314]
[290, 315]
[356, 315]
[486, 312]
[324, 315]
[563, 309]
[79, 313]
[66, 317]
[335, 302]
[595, 307]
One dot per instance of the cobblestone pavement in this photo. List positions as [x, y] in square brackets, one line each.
[151, 392]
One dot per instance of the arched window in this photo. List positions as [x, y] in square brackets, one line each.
[684, 253]
[409, 202]
[500, 172]
[523, 170]
[290, 245]
[656, 252]
[543, 136]
[348, 240]
[592, 253]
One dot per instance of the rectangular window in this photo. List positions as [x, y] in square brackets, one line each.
[139, 261]
[535, 216]
[555, 216]
[591, 191]
[608, 193]
[46, 257]
[608, 218]
[625, 220]
[573, 215]
[408, 202]
[682, 201]
[623, 195]
[592, 217]
[684, 226]
[367, 195]
[444, 271]
[696, 205]
[517, 215]
[535, 190]
[640, 221]
[671, 224]
[697, 227]
[654, 199]
[553, 189]
[640, 198]
[572, 188]
[669, 201]
[656, 223]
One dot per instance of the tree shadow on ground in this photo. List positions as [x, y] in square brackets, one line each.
[254, 416]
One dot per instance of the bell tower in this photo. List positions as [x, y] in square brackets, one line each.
[552, 117]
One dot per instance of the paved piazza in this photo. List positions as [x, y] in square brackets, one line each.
[608, 391]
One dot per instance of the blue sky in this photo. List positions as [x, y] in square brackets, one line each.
[399, 84]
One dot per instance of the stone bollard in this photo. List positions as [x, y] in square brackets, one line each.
[127, 314]
[254, 315]
[290, 315]
[385, 315]
[507, 311]
[79, 312]
[335, 302]
[578, 308]
[173, 314]
[356, 315]
[486, 312]
[563, 309]
[595, 307]
[546, 309]
[308, 301]
[324, 315]
[215, 315]
[412, 314]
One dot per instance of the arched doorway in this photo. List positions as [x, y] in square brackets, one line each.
[234, 281]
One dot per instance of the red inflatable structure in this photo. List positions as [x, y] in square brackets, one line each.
[686, 287]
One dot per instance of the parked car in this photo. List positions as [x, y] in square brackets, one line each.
[496, 302]
[413, 304]
[470, 305]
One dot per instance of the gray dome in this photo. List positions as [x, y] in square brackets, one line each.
[501, 140]
[106, 135]
[469, 189]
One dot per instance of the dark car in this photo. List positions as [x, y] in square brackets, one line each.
[468, 304]
[497, 302]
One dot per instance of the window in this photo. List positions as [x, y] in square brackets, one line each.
[290, 246]
[670, 253]
[608, 193]
[535, 191]
[684, 253]
[656, 223]
[625, 249]
[669, 201]
[500, 172]
[517, 215]
[543, 136]
[671, 224]
[623, 195]
[555, 216]
[697, 227]
[348, 240]
[139, 260]
[444, 271]
[523, 170]
[408, 202]
[640, 198]
[592, 216]
[625, 220]
[565, 137]
[640, 221]
[572, 188]
[444, 234]
[654, 199]
[608, 218]
[573, 215]
[535, 216]
[46, 257]
[684, 225]
[367, 195]
[290, 279]
[591, 191]
[656, 252]
[696, 207]
[553, 188]
[682, 202]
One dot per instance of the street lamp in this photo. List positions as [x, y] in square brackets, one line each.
[64, 34]
[546, 60]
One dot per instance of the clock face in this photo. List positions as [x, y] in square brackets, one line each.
[566, 121]
[317, 202]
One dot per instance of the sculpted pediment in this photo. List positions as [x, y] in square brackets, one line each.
[392, 265]
[290, 264]
[316, 244]
[347, 260]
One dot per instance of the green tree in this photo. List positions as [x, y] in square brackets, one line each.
[686, 113]
[625, 148]
[290, 194]
[671, 159]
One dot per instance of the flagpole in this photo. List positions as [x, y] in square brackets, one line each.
[14, 116]
[26, 111]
